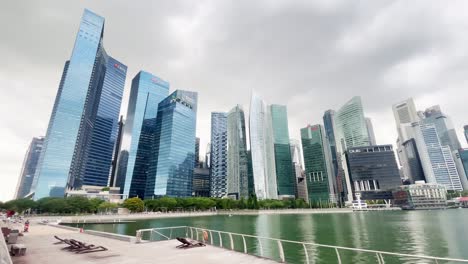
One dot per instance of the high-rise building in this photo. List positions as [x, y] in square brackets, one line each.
[237, 166]
[28, 170]
[146, 93]
[115, 158]
[262, 149]
[285, 178]
[317, 161]
[436, 160]
[370, 131]
[444, 126]
[465, 130]
[83, 126]
[218, 154]
[413, 161]
[197, 152]
[296, 156]
[172, 156]
[459, 157]
[373, 171]
[351, 131]
[201, 182]
[207, 155]
[404, 113]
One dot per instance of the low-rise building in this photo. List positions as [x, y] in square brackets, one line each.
[421, 196]
[108, 194]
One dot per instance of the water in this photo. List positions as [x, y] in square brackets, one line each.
[442, 233]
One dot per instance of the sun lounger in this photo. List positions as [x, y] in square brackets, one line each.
[78, 246]
[188, 244]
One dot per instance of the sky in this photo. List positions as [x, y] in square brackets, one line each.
[309, 55]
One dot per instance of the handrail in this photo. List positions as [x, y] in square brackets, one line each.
[379, 254]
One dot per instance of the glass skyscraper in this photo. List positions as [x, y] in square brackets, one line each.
[444, 126]
[139, 132]
[465, 131]
[317, 162]
[173, 150]
[370, 131]
[237, 156]
[83, 126]
[262, 149]
[351, 131]
[29, 167]
[218, 154]
[285, 178]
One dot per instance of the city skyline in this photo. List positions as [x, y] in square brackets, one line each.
[33, 96]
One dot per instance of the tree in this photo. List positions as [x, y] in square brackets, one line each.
[105, 189]
[106, 206]
[21, 205]
[79, 204]
[134, 204]
[95, 203]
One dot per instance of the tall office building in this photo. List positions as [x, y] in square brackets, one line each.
[29, 167]
[237, 166]
[318, 167]
[115, 158]
[351, 131]
[84, 122]
[444, 126]
[296, 157]
[172, 156]
[373, 171]
[436, 160]
[404, 113]
[370, 131]
[465, 131]
[218, 154]
[146, 93]
[262, 149]
[197, 152]
[285, 178]
[460, 158]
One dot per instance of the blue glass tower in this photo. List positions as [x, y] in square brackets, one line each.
[219, 156]
[173, 152]
[146, 93]
[84, 116]
[29, 167]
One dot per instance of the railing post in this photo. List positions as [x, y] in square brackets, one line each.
[196, 230]
[220, 239]
[381, 258]
[170, 235]
[260, 246]
[245, 245]
[280, 250]
[338, 256]
[232, 241]
[306, 254]
[191, 232]
[378, 258]
[211, 237]
[138, 237]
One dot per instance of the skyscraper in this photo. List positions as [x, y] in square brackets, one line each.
[317, 161]
[29, 167]
[172, 156]
[262, 149]
[197, 152]
[237, 166]
[373, 171]
[296, 157]
[444, 126]
[351, 131]
[146, 93]
[285, 178]
[370, 131]
[465, 130]
[436, 160]
[218, 154]
[83, 126]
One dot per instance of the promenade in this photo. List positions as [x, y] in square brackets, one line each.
[41, 250]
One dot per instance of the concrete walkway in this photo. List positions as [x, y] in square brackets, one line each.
[41, 250]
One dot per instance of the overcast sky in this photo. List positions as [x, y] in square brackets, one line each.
[310, 55]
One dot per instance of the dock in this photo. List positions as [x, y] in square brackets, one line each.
[42, 250]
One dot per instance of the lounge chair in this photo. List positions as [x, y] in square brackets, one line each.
[188, 244]
[78, 246]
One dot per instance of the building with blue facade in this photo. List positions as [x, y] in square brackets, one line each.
[172, 158]
[83, 125]
[146, 93]
[29, 167]
[219, 154]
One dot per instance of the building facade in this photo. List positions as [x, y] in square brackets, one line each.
[373, 171]
[84, 116]
[146, 93]
[421, 196]
[218, 154]
[237, 156]
[201, 182]
[317, 162]
[28, 170]
[370, 131]
[465, 131]
[171, 165]
[285, 178]
[262, 149]
[445, 130]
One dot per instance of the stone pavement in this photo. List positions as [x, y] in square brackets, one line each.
[41, 250]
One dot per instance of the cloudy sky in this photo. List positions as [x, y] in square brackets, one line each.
[309, 55]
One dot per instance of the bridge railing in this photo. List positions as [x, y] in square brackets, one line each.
[296, 251]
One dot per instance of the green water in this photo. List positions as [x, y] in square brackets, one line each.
[442, 233]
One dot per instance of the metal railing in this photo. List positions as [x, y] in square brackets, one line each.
[238, 242]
